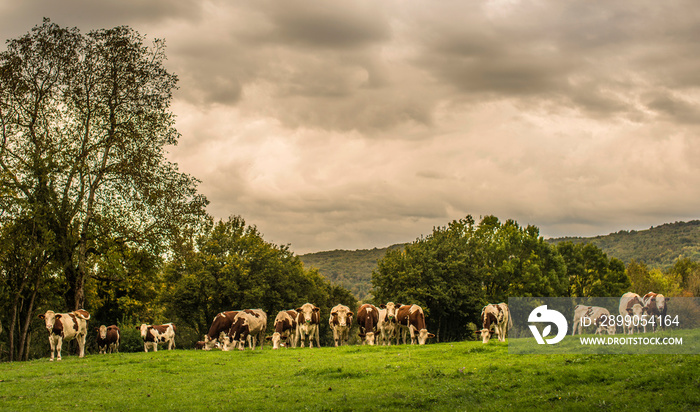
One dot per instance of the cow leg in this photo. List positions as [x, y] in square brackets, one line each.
[318, 341]
[59, 344]
[81, 345]
[52, 343]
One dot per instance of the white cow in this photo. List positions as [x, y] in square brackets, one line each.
[387, 324]
[580, 312]
[154, 334]
[308, 322]
[631, 305]
[496, 319]
[66, 326]
[340, 322]
[248, 325]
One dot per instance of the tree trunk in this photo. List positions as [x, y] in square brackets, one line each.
[28, 321]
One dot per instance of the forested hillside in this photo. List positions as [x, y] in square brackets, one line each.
[658, 246]
[351, 269]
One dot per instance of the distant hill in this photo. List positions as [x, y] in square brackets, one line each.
[658, 246]
[351, 269]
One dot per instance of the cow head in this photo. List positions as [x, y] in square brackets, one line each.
[102, 332]
[144, 329]
[210, 343]
[423, 336]
[368, 337]
[52, 321]
[275, 338]
[342, 316]
[391, 308]
[308, 314]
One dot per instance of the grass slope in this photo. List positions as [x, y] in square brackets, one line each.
[447, 376]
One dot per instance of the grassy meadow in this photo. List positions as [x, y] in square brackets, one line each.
[442, 377]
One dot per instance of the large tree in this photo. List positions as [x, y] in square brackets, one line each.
[85, 122]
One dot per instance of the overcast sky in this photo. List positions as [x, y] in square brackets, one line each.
[360, 124]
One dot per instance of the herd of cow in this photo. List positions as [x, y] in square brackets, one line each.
[496, 319]
[232, 329]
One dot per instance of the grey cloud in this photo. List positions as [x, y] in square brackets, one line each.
[676, 109]
[327, 25]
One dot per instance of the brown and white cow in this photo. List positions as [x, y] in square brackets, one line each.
[631, 305]
[367, 318]
[108, 338]
[387, 324]
[340, 322]
[152, 335]
[495, 318]
[411, 320]
[308, 322]
[655, 305]
[285, 329]
[66, 326]
[248, 325]
[221, 324]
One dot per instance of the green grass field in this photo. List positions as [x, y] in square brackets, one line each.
[442, 377]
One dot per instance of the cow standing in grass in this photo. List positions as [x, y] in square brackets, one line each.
[495, 319]
[632, 310]
[108, 338]
[66, 326]
[655, 306]
[367, 318]
[580, 312]
[285, 329]
[308, 322]
[249, 325]
[154, 334]
[386, 324]
[340, 322]
[411, 320]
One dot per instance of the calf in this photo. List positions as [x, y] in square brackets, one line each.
[367, 318]
[108, 338]
[340, 322]
[387, 324]
[285, 329]
[602, 321]
[66, 326]
[308, 321]
[495, 319]
[154, 334]
[411, 320]
[631, 305]
[248, 325]
[221, 324]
